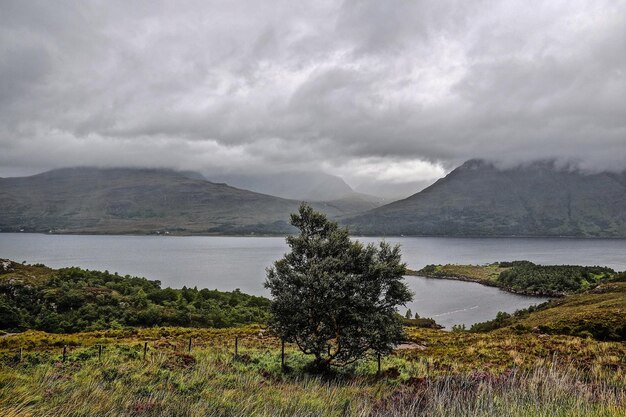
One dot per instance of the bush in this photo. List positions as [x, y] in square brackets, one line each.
[502, 319]
[75, 300]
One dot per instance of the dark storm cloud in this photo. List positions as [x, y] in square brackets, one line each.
[378, 92]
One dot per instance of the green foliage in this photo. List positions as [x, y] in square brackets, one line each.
[336, 299]
[551, 279]
[620, 277]
[428, 270]
[525, 277]
[421, 322]
[504, 319]
[74, 300]
[511, 264]
[458, 328]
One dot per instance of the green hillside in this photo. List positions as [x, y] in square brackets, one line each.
[598, 313]
[124, 200]
[478, 199]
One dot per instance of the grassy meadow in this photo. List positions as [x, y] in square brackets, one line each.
[565, 358]
[436, 373]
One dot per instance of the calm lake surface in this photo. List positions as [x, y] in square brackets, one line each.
[226, 263]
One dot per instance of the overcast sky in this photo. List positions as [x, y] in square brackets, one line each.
[379, 92]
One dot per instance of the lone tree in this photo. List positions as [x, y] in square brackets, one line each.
[334, 298]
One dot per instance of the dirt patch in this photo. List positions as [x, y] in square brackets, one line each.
[410, 346]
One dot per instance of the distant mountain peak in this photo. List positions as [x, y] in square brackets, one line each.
[475, 163]
[296, 185]
[541, 198]
[145, 200]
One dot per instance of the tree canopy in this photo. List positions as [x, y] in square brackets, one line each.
[557, 279]
[335, 298]
[73, 300]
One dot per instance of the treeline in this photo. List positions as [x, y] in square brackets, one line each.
[504, 319]
[74, 300]
[551, 279]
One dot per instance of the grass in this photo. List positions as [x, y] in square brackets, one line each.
[599, 313]
[484, 274]
[444, 374]
[536, 366]
[34, 275]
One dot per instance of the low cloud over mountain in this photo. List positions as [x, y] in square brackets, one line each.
[383, 94]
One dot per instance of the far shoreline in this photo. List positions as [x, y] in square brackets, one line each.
[192, 234]
[413, 273]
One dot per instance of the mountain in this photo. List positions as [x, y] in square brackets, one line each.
[126, 200]
[478, 199]
[391, 191]
[327, 190]
[294, 185]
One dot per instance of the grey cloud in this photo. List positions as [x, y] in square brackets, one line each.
[254, 86]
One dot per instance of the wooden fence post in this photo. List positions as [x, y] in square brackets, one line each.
[64, 352]
[378, 359]
[189, 348]
[282, 354]
[21, 355]
[145, 350]
[99, 352]
[236, 346]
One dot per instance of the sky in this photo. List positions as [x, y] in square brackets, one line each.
[389, 95]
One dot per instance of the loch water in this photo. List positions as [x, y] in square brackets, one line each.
[227, 263]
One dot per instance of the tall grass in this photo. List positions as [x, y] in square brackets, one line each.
[541, 391]
[211, 382]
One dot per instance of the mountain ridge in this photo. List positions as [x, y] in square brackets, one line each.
[479, 199]
[137, 200]
[304, 186]
[476, 199]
